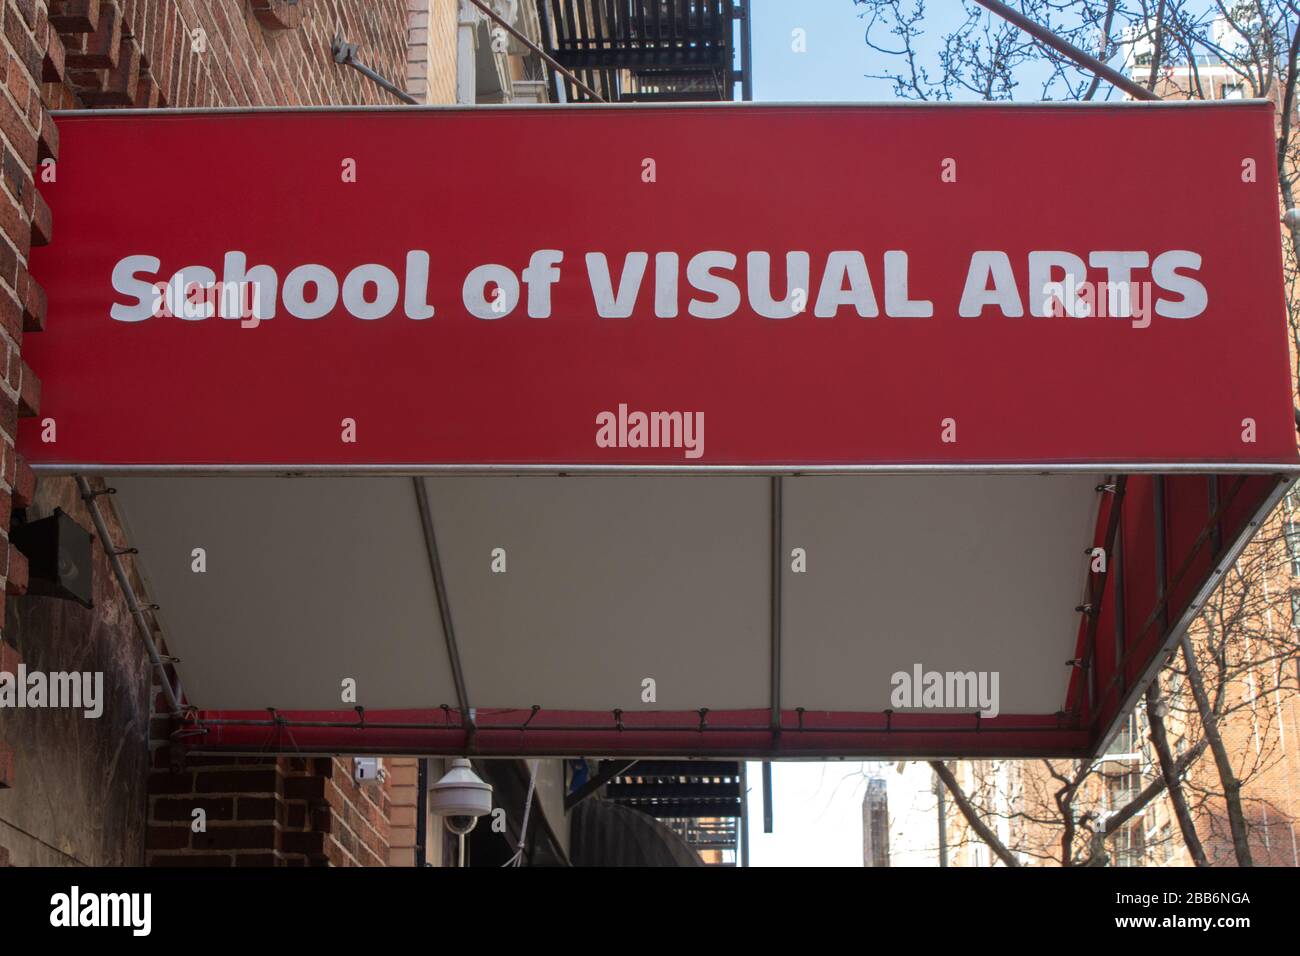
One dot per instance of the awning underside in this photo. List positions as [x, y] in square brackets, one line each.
[626, 602]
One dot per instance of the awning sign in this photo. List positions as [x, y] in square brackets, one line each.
[856, 286]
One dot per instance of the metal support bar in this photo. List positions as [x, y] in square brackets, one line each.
[939, 791]
[1097, 590]
[444, 608]
[744, 817]
[767, 796]
[747, 55]
[1161, 610]
[1068, 50]
[1161, 553]
[552, 61]
[345, 54]
[1121, 627]
[777, 560]
[542, 729]
[124, 583]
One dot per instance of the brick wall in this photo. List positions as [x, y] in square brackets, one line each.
[282, 811]
[431, 51]
[193, 53]
[27, 135]
[104, 54]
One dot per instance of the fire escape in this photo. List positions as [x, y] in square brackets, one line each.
[703, 802]
[649, 50]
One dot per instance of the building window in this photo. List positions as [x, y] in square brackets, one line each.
[1128, 739]
[1295, 608]
[1291, 532]
[1129, 845]
[1122, 788]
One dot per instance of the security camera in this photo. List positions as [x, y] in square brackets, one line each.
[1291, 218]
[460, 797]
[460, 824]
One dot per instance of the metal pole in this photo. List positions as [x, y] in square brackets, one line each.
[422, 812]
[744, 814]
[444, 606]
[124, 582]
[943, 820]
[1068, 50]
[767, 796]
[746, 57]
[1162, 571]
[345, 55]
[775, 623]
[1121, 614]
[555, 64]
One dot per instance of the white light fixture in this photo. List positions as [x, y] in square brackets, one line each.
[460, 798]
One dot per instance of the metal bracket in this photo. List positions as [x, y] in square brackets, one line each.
[345, 54]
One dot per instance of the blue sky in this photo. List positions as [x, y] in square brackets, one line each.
[837, 57]
[836, 60]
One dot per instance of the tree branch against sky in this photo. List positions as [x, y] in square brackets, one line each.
[1240, 659]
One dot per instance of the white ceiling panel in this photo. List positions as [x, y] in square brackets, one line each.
[953, 572]
[309, 581]
[609, 581]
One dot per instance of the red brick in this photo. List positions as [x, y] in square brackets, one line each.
[170, 783]
[14, 225]
[54, 63]
[24, 484]
[190, 859]
[42, 221]
[101, 48]
[309, 843]
[11, 315]
[181, 809]
[74, 16]
[235, 838]
[120, 82]
[9, 426]
[16, 572]
[311, 789]
[146, 92]
[32, 297]
[29, 54]
[13, 123]
[27, 8]
[258, 859]
[168, 838]
[47, 137]
[18, 178]
[260, 808]
[29, 393]
[239, 781]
